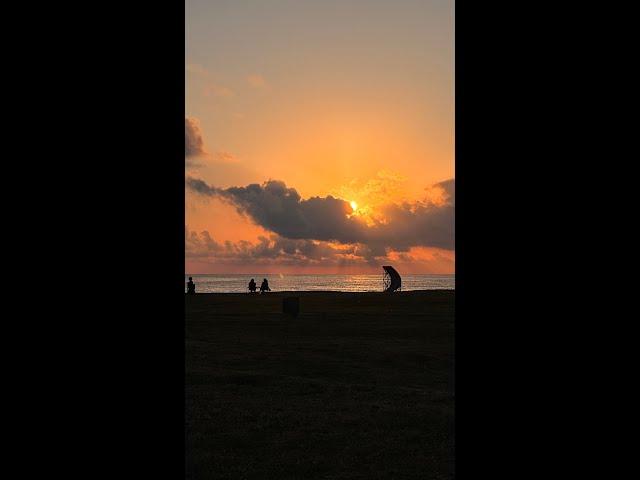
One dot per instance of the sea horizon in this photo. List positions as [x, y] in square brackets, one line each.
[298, 282]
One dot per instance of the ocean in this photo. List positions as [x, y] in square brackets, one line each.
[223, 283]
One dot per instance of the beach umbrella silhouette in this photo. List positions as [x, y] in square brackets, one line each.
[391, 280]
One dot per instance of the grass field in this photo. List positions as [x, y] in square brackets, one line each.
[359, 386]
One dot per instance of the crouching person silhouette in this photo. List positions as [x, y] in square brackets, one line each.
[252, 286]
[265, 286]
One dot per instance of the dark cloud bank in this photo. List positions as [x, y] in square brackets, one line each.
[193, 143]
[282, 211]
[274, 248]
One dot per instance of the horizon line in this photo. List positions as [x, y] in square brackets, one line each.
[266, 273]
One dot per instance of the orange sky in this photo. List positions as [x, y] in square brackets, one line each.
[346, 98]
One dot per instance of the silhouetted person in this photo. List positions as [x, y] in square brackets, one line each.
[252, 286]
[191, 287]
[265, 286]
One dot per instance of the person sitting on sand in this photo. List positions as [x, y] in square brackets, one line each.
[191, 287]
[265, 286]
[252, 286]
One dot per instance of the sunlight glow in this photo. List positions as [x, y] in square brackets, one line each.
[354, 205]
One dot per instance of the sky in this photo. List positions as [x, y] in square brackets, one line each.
[319, 136]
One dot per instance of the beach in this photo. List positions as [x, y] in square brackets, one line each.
[357, 386]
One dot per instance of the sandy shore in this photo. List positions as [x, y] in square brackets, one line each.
[359, 386]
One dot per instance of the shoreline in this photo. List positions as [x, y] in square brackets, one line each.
[326, 292]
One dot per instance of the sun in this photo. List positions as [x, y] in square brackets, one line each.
[354, 205]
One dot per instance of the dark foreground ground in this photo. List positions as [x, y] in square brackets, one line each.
[359, 386]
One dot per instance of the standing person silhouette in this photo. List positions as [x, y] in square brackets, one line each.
[191, 287]
[265, 286]
[252, 286]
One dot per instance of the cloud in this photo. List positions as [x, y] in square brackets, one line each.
[196, 69]
[226, 164]
[225, 157]
[441, 193]
[271, 250]
[193, 143]
[274, 247]
[281, 252]
[370, 194]
[200, 186]
[210, 88]
[215, 90]
[449, 187]
[256, 81]
[282, 211]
